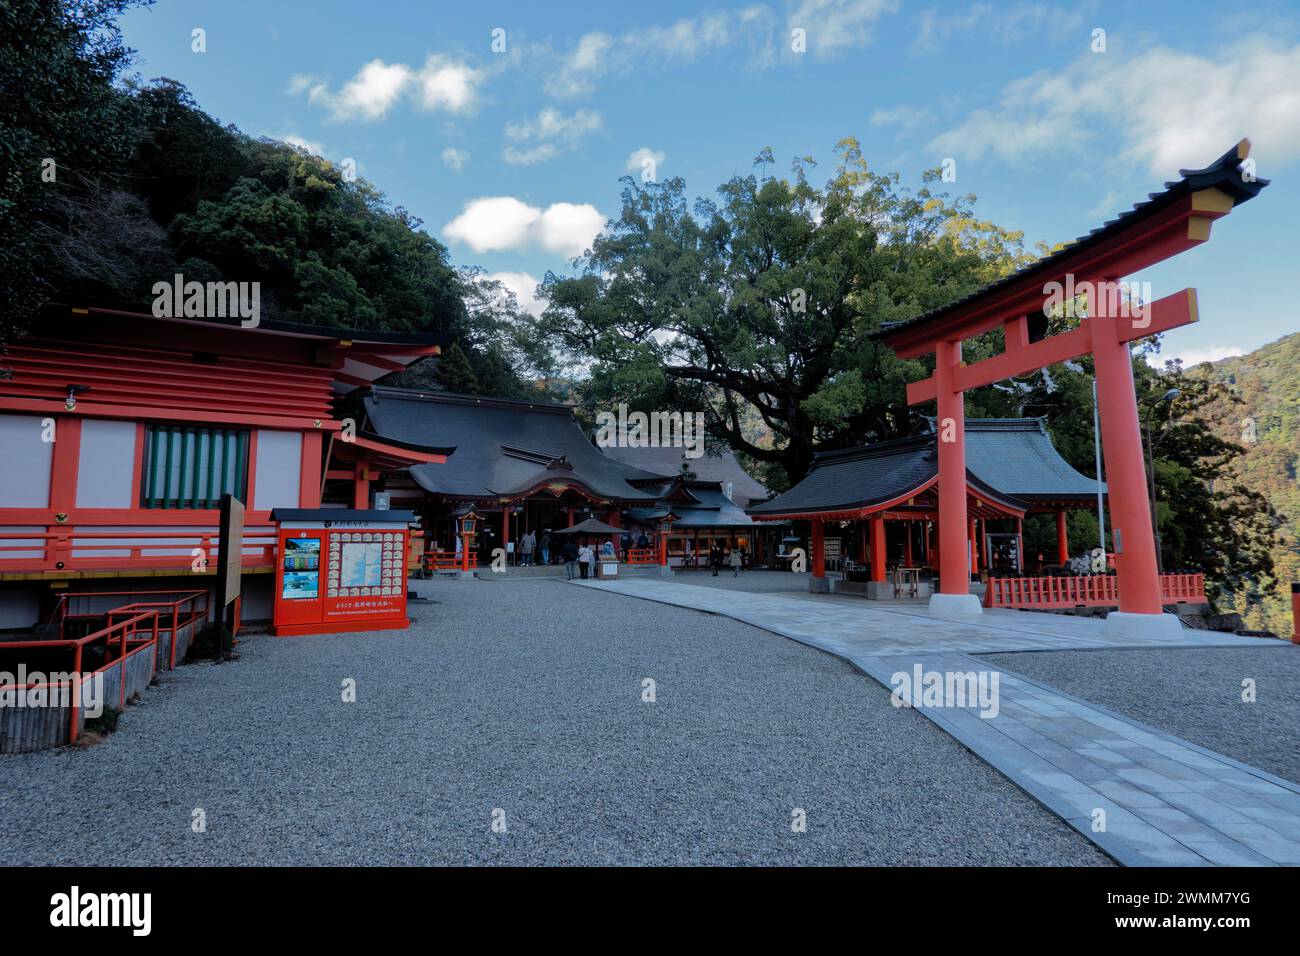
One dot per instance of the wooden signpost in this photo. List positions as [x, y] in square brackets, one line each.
[229, 564]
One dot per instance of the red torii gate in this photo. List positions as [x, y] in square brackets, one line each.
[1170, 222]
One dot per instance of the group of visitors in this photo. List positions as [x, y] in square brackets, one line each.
[735, 559]
[530, 544]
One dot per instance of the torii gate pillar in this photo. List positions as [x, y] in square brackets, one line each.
[1136, 569]
[953, 599]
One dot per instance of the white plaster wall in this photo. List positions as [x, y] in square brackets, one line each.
[26, 461]
[106, 468]
[279, 470]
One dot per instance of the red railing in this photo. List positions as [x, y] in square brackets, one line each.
[74, 549]
[1097, 590]
[121, 639]
[435, 561]
[641, 556]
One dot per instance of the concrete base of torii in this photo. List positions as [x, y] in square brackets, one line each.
[955, 606]
[1141, 628]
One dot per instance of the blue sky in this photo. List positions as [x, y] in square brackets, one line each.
[512, 157]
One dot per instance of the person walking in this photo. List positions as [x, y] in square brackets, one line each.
[737, 559]
[570, 554]
[526, 545]
[546, 546]
[715, 559]
[585, 558]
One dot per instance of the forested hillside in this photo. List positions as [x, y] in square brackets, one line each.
[1261, 413]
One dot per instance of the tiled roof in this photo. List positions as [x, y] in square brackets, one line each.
[503, 447]
[1012, 457]
[714, 465]
[1016, 456]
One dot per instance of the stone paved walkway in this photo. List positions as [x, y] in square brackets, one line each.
[1143, 796]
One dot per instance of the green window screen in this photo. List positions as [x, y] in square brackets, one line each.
[190, 467]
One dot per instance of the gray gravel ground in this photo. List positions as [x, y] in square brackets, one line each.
[1193, 693]
[524, 696]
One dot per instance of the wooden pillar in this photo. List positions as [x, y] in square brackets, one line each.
[505, 530]
[570, 513]
[818, 549]
[1121, 440]
[309, 476]
[973, 547]
[361, 485]
[1062, 538]
[878, 554]
[907, 544]
[1020, 543]
[954, 577]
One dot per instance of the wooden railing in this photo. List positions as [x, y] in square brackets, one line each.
[129, 656]
[1097, 590]
[641, 556]
[73, 549]
[441, 561]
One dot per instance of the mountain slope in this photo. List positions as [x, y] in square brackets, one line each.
[1264, 418]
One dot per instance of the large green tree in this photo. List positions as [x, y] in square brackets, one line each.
[62, 126]
[757, 307]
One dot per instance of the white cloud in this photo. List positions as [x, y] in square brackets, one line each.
[1208, 353]
[834, 26]
[598, 54]
[637, 158]
[578, 71]
[371, 93]
[454, 158]
[936, 27]
[493, 223]
[524, 286]
[311, 145]
[448, 85]
[906, 118]
[549, 135]
[569, 229]
[1170, 109]
[442, 84]
[497, 223]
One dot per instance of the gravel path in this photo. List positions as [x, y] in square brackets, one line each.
[1193, 693]
[540, 715]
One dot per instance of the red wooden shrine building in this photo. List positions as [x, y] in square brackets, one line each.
[1168, 223]
[873, 511]
[120, 431]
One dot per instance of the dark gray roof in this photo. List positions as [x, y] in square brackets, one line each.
[716, 465]
[1016, 456]
[858, 477]
[503, 447]
[1011, 457]
[1224, 173]
[695, 504]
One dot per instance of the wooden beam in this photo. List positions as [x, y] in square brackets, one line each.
[1171, 312]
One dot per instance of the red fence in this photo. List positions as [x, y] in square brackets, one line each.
[641, 556]
[76, 549]
[444, 561]
[1097, 590]
[57, 714]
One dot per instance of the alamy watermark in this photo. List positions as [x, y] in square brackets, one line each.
[933, 689]
[1124, 300]
[36, 690]
[179, 299]
[626, 429]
